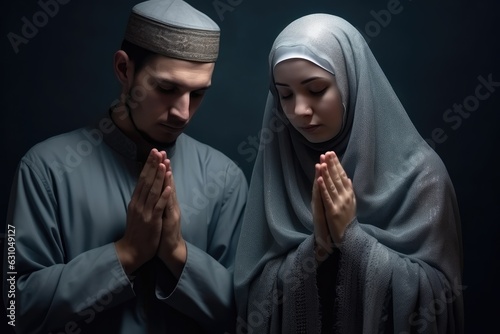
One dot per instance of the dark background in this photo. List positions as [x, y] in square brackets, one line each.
[433, 54]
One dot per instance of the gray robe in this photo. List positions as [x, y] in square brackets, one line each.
[400, 267]
[68, 205]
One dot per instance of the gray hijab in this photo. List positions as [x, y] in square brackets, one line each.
[401, 258]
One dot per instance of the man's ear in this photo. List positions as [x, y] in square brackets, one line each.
[124, 69]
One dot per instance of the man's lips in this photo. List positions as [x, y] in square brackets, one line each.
[173, 127]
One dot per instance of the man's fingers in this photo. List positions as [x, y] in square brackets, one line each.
[171, 200]
[170, 179]
[161, 204]
[156, 188]
[142, 177]
[148, 174]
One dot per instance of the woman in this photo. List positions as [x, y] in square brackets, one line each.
[352, 224]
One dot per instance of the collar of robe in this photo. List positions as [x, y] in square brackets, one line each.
[121, 143]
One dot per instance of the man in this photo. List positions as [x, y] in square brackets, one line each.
[105, 241]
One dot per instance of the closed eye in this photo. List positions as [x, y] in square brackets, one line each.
[198, 93]
[166, 89]
[285, 93]
[318, 92]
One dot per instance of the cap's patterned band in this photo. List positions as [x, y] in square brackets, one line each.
[181, 43]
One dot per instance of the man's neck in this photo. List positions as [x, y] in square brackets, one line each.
[120, 116]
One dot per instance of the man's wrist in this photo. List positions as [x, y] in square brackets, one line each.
[126, 257]
[174, 258]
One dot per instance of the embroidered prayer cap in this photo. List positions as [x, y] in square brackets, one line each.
[174, 28]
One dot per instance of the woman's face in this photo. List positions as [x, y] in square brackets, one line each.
[310, 99]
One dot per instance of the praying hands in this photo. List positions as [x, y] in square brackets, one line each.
[153, 219]
[333, 204]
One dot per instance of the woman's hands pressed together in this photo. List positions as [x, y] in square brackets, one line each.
[333, 204]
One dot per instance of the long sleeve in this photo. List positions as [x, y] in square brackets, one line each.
[205, 288]
[69, 205]
[375, 284]
[53, 292]
[389, 285]
[383, 285]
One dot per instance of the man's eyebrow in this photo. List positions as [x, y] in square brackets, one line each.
[302, 82]
[178, 84]
[204, 87]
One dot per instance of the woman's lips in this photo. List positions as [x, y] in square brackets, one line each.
[310, 128]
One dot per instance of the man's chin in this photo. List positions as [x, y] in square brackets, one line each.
[163, 140]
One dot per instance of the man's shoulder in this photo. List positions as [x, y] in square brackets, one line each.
[211, 157]
[202, 149]
[211, 165]
[59, 144]
[54, 141]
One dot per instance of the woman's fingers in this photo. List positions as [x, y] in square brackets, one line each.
[347, 188]
[319, 219]
[325, 193]
[341, 172]
[336, 171]
[322, 237]
[330, 186]
[337, 195]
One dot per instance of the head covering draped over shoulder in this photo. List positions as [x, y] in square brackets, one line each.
[401, 252]
[174, 29]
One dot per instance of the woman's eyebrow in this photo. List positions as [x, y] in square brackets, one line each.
[309, 80]
[302, 82]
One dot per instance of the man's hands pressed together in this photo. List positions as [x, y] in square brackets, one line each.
[153, 219]
[172, 249]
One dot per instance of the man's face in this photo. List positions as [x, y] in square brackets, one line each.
[165, 94]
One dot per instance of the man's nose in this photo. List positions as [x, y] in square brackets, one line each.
[180, 108]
